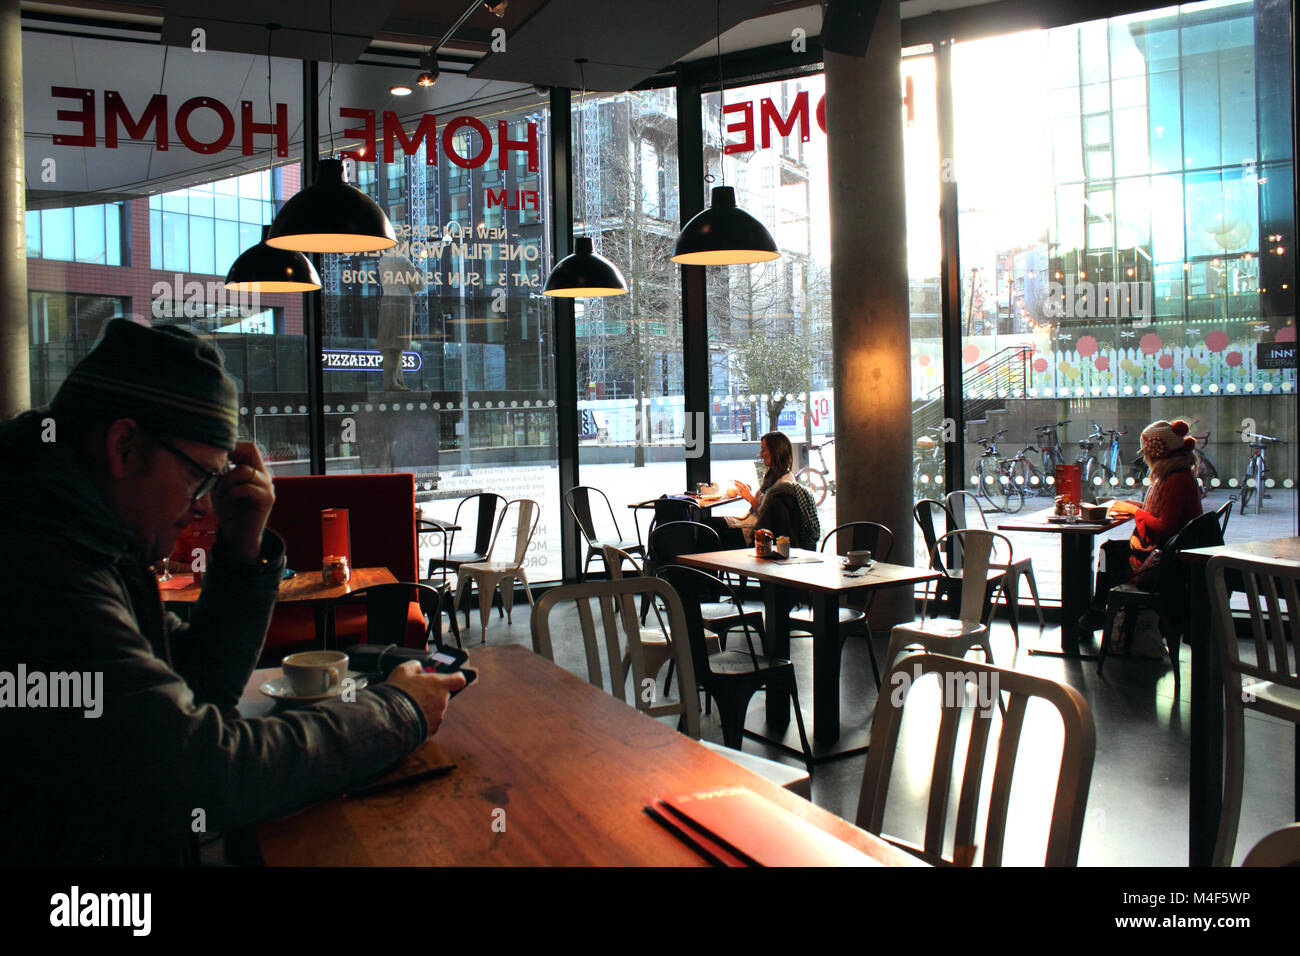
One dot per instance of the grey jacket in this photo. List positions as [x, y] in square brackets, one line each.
[167, 758]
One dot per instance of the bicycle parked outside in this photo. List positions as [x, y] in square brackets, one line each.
[927, 465]
[1049, 440]
[1252, 485]
[1110, 463]
[817, 480]
[1028, 475]
[996, 477]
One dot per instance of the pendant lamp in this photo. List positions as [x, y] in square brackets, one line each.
[584, 274]
[263, 268]
[330, 215]
[724, 234]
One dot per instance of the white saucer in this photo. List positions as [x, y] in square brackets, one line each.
[852, 568]
[278, 688]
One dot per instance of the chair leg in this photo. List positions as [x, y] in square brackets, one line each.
[455, 625]
[1011, 594]
[871, 652]
[586, 564]
[1033, 589]
[485, 595]
[798, 717]
[528, 592]
[732, 708]
[1234, 767]
[508, 597]
[1109, 625]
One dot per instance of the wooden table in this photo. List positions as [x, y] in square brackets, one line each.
[1207, 690]
[822, 583]
[1076, 570]
[303, 589]
[561, 768]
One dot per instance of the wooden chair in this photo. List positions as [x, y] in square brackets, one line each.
[969, 630]
[488, 575]
[1279, 848]
[1271, 685]
[855, 536]
[1014, 570]
[625, 657]
[387, 608]
[731, 677]
[1078, 749]
[578, 501]
[1165, 592]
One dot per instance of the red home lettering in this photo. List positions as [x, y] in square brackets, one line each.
[745, 125]
[426, 132]
[505, 145]
[449, 142]
[183, 125]
[85, 116]
[280, 128]
[771, 117]
[155, 114]
[366, 154]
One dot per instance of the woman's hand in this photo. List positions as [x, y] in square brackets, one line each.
[746, 492]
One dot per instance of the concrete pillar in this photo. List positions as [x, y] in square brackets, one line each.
[15, 373]
[869, 309]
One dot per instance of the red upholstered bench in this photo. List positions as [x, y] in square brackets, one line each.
[381, 517]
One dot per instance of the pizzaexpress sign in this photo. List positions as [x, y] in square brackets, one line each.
[355, 360]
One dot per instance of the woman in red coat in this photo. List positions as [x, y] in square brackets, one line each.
[1173, 500]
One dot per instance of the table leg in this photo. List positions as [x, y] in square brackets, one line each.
[776, 632]
[1076, 594]
[826, 667]
[1207, 726]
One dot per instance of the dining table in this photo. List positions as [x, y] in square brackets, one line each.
[1206, 777]
[548, 770]
[1077, 549]
[822, 580]
[304, 589]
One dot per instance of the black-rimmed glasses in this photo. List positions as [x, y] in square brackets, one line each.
[210, 478]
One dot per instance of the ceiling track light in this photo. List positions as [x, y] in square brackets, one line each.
[724, 234]
[429, 60]
[263, 268]
[584, 273]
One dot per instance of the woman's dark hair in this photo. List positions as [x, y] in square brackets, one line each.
[778, 445]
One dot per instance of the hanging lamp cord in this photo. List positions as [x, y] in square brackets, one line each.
[722, 91]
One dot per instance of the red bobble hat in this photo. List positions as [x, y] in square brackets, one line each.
[1162, 439]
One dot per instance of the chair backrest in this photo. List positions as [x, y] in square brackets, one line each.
[672, 539]
[695, 588]
[486, 519]
[978, 549]
[958, 503]
[862, 536]
[1279, 848]
[623, 653]
[924, 511]
[672, 509]
[956, 678]
[528, 513]
[387, 609]
[578, 500]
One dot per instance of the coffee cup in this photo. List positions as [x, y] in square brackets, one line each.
[315, 672]
[859, 559]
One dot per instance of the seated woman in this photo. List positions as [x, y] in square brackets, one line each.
[1172, 500]
[775, 507]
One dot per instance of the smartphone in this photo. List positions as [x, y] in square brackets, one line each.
[450, 660]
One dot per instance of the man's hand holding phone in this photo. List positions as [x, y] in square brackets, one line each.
[431, 691]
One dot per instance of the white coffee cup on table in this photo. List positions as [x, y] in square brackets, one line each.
[315, 672]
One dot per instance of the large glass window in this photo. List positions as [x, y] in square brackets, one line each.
[629, 354]
[769, 323]
[1133, 264]
[439, 353]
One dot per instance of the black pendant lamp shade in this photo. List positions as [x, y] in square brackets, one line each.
[264, 268]
[584, 274]
[332, 216]
[724, 235]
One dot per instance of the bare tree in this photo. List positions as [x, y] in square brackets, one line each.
[774, 365]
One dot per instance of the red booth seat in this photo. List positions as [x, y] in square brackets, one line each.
[381, 516]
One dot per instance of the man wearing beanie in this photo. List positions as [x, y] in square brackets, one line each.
[1173, 499]
[150, 754]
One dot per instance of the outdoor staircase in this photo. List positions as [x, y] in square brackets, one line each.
[986, 387]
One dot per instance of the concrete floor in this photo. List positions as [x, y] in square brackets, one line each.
[1138, 803]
